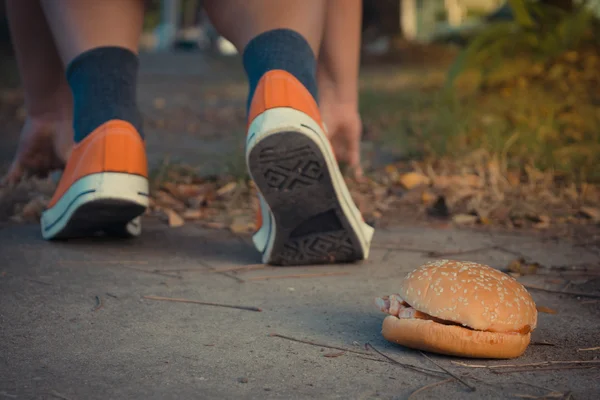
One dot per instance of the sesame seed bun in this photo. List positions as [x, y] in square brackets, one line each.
[460, 308]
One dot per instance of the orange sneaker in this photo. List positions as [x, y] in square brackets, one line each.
[104, 186]
[306, 215]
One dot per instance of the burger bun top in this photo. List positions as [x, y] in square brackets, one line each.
[471, 294]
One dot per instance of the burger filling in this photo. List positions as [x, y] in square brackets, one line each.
[396, 306]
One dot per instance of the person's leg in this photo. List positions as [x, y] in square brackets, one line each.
[47, 134]
[273, 35]
[337, 77]
[307, 215]
[104, 184]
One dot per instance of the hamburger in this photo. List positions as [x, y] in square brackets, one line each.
[462, 309]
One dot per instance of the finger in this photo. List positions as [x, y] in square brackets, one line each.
[13, 176]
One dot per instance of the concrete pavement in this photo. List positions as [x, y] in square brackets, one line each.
[74, 323]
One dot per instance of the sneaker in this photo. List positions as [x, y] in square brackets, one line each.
[306, 214]
[104, 187]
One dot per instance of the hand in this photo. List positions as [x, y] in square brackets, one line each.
[344, 129]
[44, 146]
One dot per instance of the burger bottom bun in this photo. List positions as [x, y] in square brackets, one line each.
[453, 340]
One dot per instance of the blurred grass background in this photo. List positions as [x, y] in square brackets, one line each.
[524, 86]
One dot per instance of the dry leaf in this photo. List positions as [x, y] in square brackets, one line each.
[428, 197]
[32, 211]
[191, 189]
[464, 219]
[192, 214]
[591, 213]
[546, 310]
[175, 219]
[215, 225]
[413, 179]
[544, 222]
[228, 188]
[392, 172]
[240, 225]
[166, 200]
[521, 267]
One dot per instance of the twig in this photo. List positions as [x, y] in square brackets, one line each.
[317, 344]
[590, 349]
[538, 364]
[154, 272]
[78, 262]
[214, 269]
[534, 369]
[431, 385]
[334, 355]
[268, 277]
[542, 344]
[251, 267]
[391, 246]
[247, 308]
[471, 388]
[437, 254]
[37, 281]
[99, 304]
[512, 383]
[580, 294]
[551, 395]
[409, 366]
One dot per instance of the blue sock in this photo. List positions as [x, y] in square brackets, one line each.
[280, 49]
[103, 81]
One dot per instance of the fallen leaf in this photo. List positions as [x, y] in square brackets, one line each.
[465, 219]
[428, 197]
[392, 172]
[175, 219]
[192, 214]
[522, 267]
[32, 211]
[514, 178]
[239, 225]
[590, 212]
[165, 199]
[215, 225]
[544, 222]
[546, 310]
[413, 179]
[192, 189]
[228, 188]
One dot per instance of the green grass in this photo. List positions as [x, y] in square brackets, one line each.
[524, 124]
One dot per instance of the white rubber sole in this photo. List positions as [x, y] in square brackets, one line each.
[301, 129]
[109, 201]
